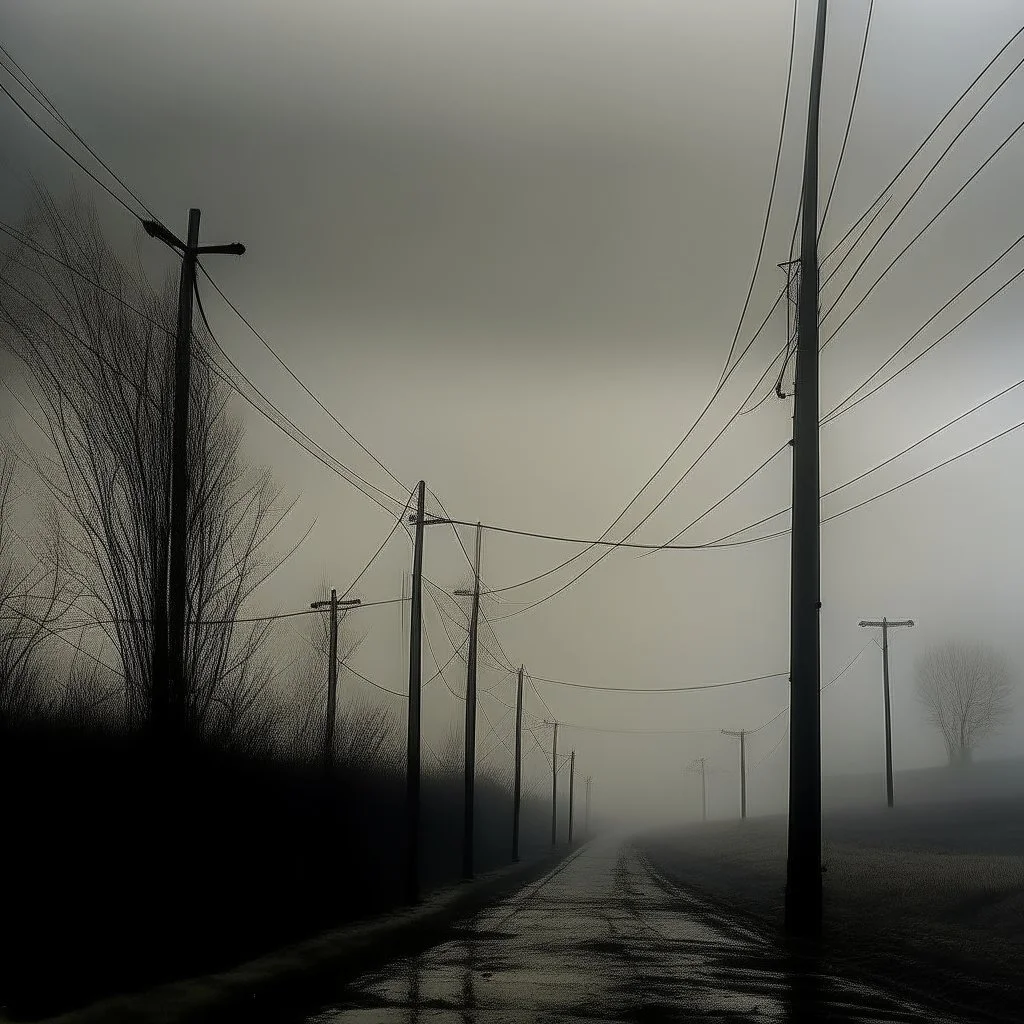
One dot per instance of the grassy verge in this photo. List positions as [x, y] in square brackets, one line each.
[948, 927]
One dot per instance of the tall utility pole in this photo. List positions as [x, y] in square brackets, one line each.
[554, 787]
[743, 770]
[572, 786]
[412, 757]
[586, 811]
[169, 697]
[886, 625]
[517, 789]
[803, 864]
[470, 730]
[332, 672]
[703, 792]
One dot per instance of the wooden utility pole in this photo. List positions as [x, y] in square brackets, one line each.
[169, 689]
[332, 673]
[412, 757]
[743, 771]
[703, 792]
[572, 787]
[586, 811]
[469, 760]
[554, 787]
[803, 864]
[886, 625]
[517, 789]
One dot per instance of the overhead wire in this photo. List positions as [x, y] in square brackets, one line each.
[849, 120]
[924, 142]
[906, 248]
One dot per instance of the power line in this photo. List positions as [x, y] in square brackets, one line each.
[891, 490]
[48, 104]
[849, 120]
[942, 120]
[398, 522]
[56, 113]
[298, 381]
[343, 468]
[69, 154]
[658, 689]
[909, 244]
[367, 679]
[839, 409]
[771, 197]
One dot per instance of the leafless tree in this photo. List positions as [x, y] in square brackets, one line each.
[30, 607]
[966, 689]
[97, 342]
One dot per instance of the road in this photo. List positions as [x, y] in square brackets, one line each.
[604, 939]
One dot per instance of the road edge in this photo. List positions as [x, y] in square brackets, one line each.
[310, 971]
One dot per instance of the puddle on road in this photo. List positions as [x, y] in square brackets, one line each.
[604, 941]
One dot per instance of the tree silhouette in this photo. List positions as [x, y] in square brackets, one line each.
[97, 343]
[966, 689]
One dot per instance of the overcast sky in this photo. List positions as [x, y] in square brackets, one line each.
[508, 246]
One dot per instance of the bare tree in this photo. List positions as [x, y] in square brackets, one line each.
[966, 689]
[31, 603]
[97, 342]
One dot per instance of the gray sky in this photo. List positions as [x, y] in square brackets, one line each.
[508, 244]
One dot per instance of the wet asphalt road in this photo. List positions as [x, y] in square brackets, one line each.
[604, 939]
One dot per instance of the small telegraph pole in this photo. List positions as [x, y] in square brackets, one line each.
[332, 673]
[470, 729]
[169, 698]
[743, 769]
[886, 625]
[586, 811]
[572, 786]
[703, 791]
[517, 791]
[554, 787]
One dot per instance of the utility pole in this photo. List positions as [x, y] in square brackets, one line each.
[412, 757]
[554, 787]
[332, 672]
[586, 812]
[517, 790]
[169, 697]
[743, 770]
[803, 863]
[470, 729]
[572, 786]
[703, 792]
[886, 625]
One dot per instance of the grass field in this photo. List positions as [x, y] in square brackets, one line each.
[929, 896]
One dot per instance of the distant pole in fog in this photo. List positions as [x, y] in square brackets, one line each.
[517, 791]
[586, 812]
[886, 624]
[743, 768]
[554, 787]
[572, 785]
[703, 792]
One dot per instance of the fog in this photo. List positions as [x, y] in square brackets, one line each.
[508, 245]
